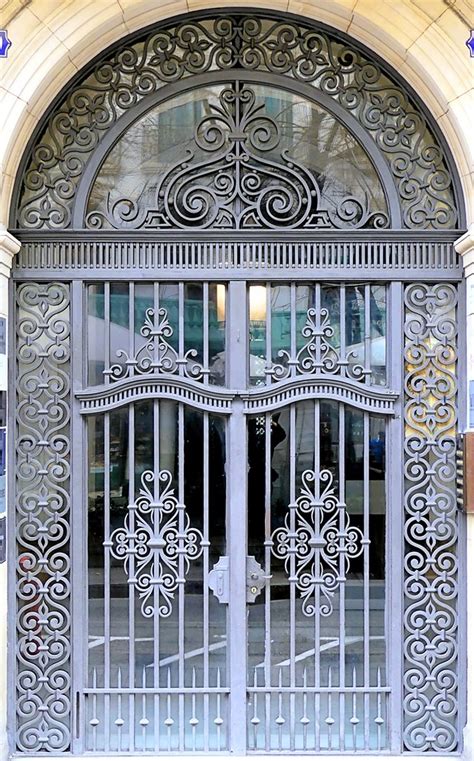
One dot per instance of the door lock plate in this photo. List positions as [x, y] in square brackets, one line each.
[218, 579]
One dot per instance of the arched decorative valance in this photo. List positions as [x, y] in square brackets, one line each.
[128, 79]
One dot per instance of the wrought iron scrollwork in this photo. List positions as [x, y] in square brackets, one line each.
[317, 543]
[250, 43]
[245, 180]
[157, 355]
[43, 501]
[431, 558]
[156, 544]
[317, 355]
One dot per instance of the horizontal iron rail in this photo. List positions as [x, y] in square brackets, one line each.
[96, 399]
[157, 691]
[367, 258]
[316, 690]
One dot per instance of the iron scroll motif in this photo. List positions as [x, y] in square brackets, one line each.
[157, 355]
[289, 48]
[43, 504]
[156, 544]
[317, 355]
[317, 543]
[431, 581]
[244, 181]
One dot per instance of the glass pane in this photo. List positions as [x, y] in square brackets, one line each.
[281, 321]
[237, 156]
[148, 328]
[355, 329]
[378, 333]
[217, 323]
[121, 338]
[257, 334]
[95, 334]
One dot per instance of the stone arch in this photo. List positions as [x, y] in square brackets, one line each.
[53, 45]
[289, 47]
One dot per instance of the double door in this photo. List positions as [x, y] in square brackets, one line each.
[237, 447]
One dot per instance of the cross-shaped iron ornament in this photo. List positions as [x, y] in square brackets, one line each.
[317, 543]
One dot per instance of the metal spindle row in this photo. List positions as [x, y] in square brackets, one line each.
[273, 727]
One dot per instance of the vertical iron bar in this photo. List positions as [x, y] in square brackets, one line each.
[79, 493]
[367, 334]
[268, 590]
[366, 625]
[342, 583]
[107, 523]
[342, 329]
[156, 307]
[237, 337]
[205, 331]
[181, 325]
[293, 327]
[181, 624]
[268, 330]
[131, 587]
[107, 575]
[317, 307]
[293, 576]
[205, 572]
[156, 593]
[317, 601]
[394, 484]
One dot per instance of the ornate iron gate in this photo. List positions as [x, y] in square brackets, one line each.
[305, 412]
[234, 470]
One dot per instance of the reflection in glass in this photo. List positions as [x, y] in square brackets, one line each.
[96, 350]
[141, 328]
[308, 157]
[378, 333]
[298, 329]
[257, 333]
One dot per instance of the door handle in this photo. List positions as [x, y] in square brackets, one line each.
[218, 579]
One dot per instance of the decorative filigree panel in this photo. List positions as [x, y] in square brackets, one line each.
[157, 355]
[43, 700]
[236, 175]
[156, 544]
[431, 556]
[317, 542]
[249, 43]
[318, 355]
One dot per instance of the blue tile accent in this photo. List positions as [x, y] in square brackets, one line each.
[5, 43]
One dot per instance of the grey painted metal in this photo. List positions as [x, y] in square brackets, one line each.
[79, 478]
[283, 47]
[118, 129]
[394, 501]
[42, 495]
[298, 713]
[236, 516]
[431, 721]
[79, 709]
[239, 404]
[261, 189]
[389, 256]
